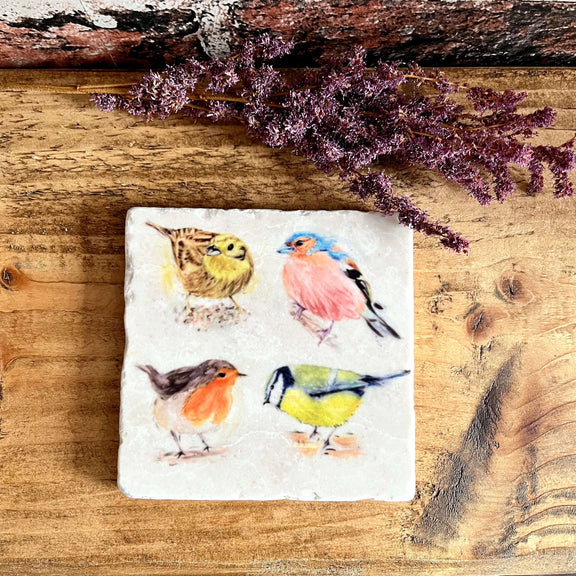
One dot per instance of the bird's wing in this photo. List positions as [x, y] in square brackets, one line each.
[373, 314]
[190, 247]
[189, 378]
[321, 380]
[348, 381]
[351, 270]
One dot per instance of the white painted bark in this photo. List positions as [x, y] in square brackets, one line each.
[214, 15]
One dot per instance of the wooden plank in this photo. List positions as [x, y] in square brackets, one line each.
[495, 365]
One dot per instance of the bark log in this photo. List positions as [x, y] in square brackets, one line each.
[432, 32]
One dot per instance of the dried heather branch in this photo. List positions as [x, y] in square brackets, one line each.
[345, 117]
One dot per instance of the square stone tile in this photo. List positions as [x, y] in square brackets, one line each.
[269, 356]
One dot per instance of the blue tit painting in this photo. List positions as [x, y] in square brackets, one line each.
[322, 279]
[320, 396]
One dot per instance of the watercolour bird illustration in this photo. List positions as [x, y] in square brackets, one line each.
[208, 264]
[193, 400]
[320, 396]
[322, 279]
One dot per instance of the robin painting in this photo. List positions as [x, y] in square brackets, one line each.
[194, 399]
[208, 264]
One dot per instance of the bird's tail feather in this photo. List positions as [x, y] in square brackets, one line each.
[158, 381]
[379, 380]
[150, 370]
[378, 325]
[164, 231]
[155, 377]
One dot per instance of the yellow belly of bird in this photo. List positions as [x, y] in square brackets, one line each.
[222, 285]
[329, 410]
[229, 274]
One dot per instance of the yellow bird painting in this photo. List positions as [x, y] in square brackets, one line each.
[209, 264]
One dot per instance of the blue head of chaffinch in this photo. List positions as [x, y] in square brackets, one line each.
[306, 243]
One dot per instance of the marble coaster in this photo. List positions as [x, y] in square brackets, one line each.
[269, 356]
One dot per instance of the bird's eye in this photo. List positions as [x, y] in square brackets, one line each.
[299, 242]
[221, 374]
[230, 246]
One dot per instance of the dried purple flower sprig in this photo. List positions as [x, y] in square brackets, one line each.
[345, 117]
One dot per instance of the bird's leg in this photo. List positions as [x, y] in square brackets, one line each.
[177, 440]
[299, 310]
[236, 305]
[324, 333]
[327, 441]
[206, 447]
[314, 433]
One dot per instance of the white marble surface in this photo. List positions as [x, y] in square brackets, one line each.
[254, 456]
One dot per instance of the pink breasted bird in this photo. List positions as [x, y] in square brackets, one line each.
[319, 277]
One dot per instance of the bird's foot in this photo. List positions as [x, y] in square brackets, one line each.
[206, 447]
[314, 434]
[325, 333]
[238, 314]
[326, 446]
[238, 309]
[298, 310]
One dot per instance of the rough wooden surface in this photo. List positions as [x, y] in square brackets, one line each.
[495, 366]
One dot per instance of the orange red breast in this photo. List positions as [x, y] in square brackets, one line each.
[211, 403]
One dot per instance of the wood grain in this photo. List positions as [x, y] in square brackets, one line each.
[495, 365]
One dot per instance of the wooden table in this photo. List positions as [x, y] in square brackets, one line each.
[495, 367]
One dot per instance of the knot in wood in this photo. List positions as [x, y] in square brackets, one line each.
[11, 278]
[513, 287]
[480, 322]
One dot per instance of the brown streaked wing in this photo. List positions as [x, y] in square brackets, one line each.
[190, 246]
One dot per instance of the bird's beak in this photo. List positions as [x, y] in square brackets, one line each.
[213, 251]
[241, 374]
[285, 250]
[242, 255]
